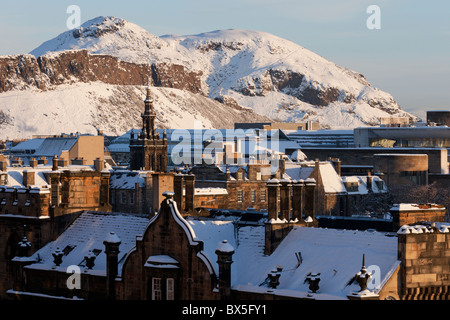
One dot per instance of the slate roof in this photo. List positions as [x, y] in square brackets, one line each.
[87, 233]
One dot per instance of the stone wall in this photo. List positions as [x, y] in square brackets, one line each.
[425, 255]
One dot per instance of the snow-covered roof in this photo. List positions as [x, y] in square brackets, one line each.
[86, 234]
[126, 179]
[332, 182]
[335, 254]
[297, 172]
[15, 176]
[416, 207]
[51, 146]
[30, 144]
[362, 184]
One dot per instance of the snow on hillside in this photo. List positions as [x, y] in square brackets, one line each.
[119, 38]
[243, 54]
[86, 107]
[273, 76]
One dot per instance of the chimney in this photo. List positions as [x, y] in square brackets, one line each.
[24, 246]
[62, 162]
[99, 164]
[28, 178]
[79, 161]
[43, 160]
[252, 171]
[282, 166]
[369, 182]
[178, 186]
[112, 243]
[55, 163]
[104, 189]
[276, 230]
[297, 199]
[189, 193]
[33, 163]
[224, 254]
[337, 166]
[273, 187]
[310, 197]
[17, 161]
[285, 200]
[317, 164]
[3, 165]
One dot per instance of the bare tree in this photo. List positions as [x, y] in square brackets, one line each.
[381, 203]
[431, 193]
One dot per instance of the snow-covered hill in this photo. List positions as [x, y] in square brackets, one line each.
[86, 107]
[274, 77]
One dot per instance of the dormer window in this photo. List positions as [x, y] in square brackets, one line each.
[351, 186]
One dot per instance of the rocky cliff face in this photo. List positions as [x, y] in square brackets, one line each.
[45, 72]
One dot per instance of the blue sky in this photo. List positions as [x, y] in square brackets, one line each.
[408, 57]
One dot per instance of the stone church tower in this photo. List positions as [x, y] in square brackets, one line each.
[148, 151]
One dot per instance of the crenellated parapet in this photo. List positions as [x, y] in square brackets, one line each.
[424, 252]
[30, 202]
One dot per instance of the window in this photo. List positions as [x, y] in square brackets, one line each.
[253, 196]
[351, 186]
[170, 289]
[156, 289]
[263, 195]
[240, 195]
[418, 177]
[123, 199]
[163, 289]
[131, 198]
[240, 175]
[380, 184]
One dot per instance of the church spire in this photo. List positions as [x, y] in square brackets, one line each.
[149, 151]
[148, 117]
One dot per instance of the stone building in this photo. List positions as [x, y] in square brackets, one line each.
[234, 187]
[402, 169]
[39, 201]
[148, 151]
[437, 157]
[138, 191]
[171, 257]
[335, 195]
[164, 262]
[406, 137]
[83, 149]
